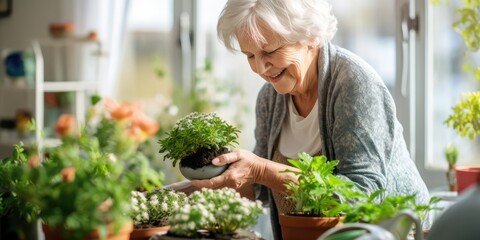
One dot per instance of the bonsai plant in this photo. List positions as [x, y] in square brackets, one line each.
[151, 210]
[215, 214]
[195, 140]
[320, 197]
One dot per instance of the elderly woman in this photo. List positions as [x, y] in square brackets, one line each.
[318, 98]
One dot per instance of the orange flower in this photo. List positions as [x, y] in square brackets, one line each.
[146, 124]
[65, 125]
[34, 161]
[135, 134]
[119, 111]
[68, 174]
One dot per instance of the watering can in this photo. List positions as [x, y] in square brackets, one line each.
[396, 228]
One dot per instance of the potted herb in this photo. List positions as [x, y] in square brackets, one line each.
[195, 140]
[151, 210]
[451, 154]
[215, 214]
[319, 197]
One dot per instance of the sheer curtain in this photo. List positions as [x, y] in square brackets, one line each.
[107, 18]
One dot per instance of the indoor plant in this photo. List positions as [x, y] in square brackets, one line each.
[319, 197]
[81, 188]
[195, 140]
[216, 214]
[464, 118]
[150, 211]
[76, 190]
[374, 210]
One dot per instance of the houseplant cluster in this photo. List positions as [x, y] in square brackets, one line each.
[324, 200]
[82, 187]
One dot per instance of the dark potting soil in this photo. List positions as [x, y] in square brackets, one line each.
[202, 157]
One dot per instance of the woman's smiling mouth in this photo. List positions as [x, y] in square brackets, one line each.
[276, 77]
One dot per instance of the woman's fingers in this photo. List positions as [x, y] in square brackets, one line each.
[226, 158]
[214, 183]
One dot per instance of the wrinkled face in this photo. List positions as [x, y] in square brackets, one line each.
[290, 68]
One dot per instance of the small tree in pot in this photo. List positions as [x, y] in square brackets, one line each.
[195, 140]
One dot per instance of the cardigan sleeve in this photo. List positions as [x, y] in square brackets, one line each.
[261, 137]
[362, 124]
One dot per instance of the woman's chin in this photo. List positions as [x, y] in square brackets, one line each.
[281, 88]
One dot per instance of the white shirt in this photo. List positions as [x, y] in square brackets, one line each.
[300, 134]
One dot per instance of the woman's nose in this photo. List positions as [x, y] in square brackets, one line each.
[262, 65]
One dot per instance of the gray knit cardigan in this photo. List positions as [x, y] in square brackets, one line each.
[358, 127]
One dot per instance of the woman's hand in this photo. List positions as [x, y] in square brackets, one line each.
[245, 169]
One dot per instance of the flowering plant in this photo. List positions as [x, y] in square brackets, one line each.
[195, 132]
[152, 209]
[220, 211]
[84, 183]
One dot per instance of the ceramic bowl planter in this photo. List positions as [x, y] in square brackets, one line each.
[195, 141]
[205, 172]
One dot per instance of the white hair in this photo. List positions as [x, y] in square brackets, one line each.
[309, 22]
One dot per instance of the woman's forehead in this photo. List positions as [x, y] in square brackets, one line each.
[259, 36]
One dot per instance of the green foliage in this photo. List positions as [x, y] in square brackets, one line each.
[465, 118]
[12, 174]
[196, 131]
[372, 210]
[468, 24]
[77, 185]
[318, 191]
[451, 154]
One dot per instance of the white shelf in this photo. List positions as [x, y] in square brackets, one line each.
[68, 86]
[66, 54]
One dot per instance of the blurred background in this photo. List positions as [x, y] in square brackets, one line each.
[165, 55]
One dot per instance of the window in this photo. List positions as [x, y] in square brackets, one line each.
[446, 80]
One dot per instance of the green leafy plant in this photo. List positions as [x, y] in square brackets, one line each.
[318, 192]
[451, 154]
[220, 211]
[466, 113]
[197, 131]
[153, 208]
[374, 210]
[465, 118]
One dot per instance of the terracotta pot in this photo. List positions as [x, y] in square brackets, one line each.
[306, 228]
[466, 177]
[53, 233]
[146, 233]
